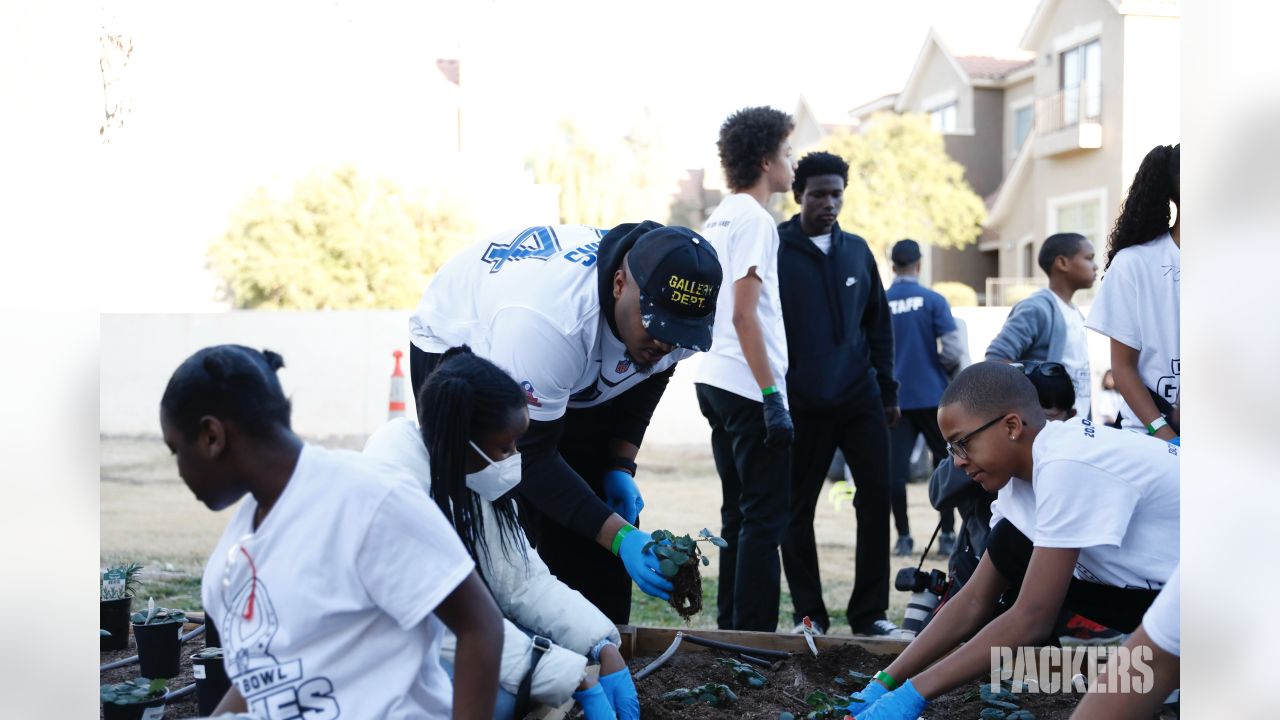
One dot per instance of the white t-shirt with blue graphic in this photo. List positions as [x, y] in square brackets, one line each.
[529, 301]
[1139, 304]
[1113, 494]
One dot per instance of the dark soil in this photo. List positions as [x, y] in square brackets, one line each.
[184, 707]
[686, 599]
[795, 678]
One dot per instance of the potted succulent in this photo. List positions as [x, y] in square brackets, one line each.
[156, 633]
[119, 583]
[136, 699]
[211, 678]
[679, 556]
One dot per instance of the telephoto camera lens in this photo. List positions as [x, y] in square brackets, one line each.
[918, 609]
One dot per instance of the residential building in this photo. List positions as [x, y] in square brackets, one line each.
[1051, 133]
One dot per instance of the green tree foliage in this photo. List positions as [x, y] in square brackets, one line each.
[902, 184]
[604, 182]
[338, 241]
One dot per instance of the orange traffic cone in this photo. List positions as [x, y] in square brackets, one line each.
[396, 406]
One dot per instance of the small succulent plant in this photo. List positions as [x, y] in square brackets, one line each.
[120, 581]
[713, 694]
[132, 692]
[745, 673]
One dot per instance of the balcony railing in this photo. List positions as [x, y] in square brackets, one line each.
[1069, 107]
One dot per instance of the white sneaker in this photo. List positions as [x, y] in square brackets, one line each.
[882, 628]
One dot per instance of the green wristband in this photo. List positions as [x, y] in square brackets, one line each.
[886, 680]
[617, 539]
[769, 390]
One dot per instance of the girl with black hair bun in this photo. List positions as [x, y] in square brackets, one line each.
[309, 586]
[472, 414]
[1138, 304]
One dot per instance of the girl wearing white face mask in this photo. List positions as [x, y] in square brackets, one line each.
[472, 414]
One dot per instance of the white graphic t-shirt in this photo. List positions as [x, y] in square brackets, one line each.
[1075, 355]
[1111, 493]
[529, 301]
[326, 610]
[744, 236]
[1138, 304]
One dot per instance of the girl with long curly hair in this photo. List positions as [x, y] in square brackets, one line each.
[1138, 303]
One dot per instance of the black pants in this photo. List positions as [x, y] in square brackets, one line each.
[576, 561]
[860, 431]
[753, 510]
[919, 421]
[1115, 607]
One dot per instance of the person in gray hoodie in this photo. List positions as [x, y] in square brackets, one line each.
[1047, 326]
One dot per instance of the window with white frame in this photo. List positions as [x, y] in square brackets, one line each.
[1080, 213]
[1023, 118]
[944, 118]
[1081, 82]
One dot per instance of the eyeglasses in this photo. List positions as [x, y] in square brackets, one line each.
[1045, 368]
[233, 565]
[957, 448]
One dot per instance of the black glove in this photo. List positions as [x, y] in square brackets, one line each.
[777, 422]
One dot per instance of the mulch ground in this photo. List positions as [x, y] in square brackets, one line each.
[793, 680]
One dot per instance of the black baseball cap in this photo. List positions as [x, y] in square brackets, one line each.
[679, 277]
[905, 252]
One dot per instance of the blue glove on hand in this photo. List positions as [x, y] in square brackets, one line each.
[621, 691]
[643, 566]
[860, 701]
[622, 495]
[1176, 441]
[779, 431]
[595, 705]
[901, 704]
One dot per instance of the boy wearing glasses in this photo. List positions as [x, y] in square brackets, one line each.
[1086, 519]
[1048, 325]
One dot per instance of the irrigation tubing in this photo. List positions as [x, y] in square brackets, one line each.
[657, 663]
[131, 660]
[182, 692]
[756, 652]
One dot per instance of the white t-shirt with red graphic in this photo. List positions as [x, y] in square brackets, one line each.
[325, 611]
[529, 301]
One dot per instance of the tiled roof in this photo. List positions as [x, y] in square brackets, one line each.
[985, 66]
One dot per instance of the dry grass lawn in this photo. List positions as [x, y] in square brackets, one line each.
[150, 516]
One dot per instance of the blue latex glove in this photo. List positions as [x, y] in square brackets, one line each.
[643, 566]
[901, 704]
[779, 431]
[622, 495]
[621, 691]
[1176, 441]
[860, 701]
[595, 704]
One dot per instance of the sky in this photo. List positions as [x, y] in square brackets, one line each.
[227, 97]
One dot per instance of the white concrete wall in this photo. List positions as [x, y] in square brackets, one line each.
[338, 367]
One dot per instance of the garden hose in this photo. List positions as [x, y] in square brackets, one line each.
[657, 663]
[757, 652]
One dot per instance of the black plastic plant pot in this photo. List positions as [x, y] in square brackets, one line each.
[152, 709]
[158, 649]
[211, 681]
[114, 618]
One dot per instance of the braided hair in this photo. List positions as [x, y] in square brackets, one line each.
[1144, 216]
[233, 383]
[465, 397]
